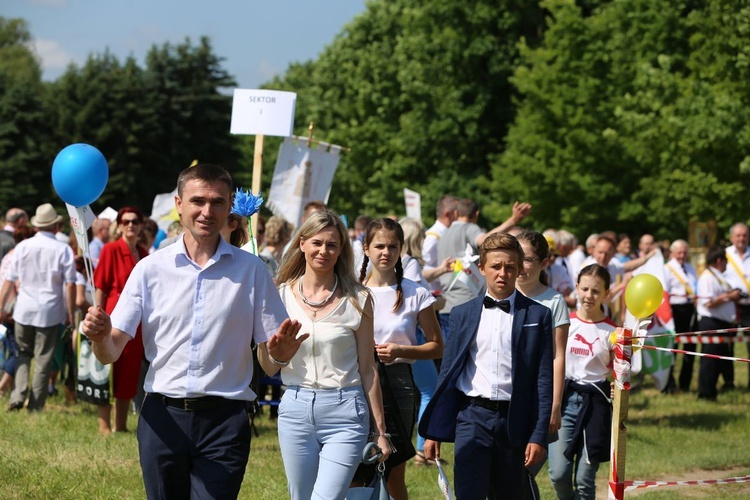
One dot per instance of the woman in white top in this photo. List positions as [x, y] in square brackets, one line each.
[400, 304]
[584, 436]
[332, 380]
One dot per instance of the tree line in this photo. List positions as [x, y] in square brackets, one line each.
[605, 114]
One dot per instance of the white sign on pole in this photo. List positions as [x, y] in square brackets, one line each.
[263, 112]
[413, 202]
[81, 219]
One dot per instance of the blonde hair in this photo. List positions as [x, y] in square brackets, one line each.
[413, 238]
[293, 264]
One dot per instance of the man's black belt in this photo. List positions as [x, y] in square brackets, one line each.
[490, 404]
[192, 404]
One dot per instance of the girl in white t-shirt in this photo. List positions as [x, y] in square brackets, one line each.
[399, 305]
[584, 437]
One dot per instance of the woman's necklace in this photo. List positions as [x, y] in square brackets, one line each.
[317, 305]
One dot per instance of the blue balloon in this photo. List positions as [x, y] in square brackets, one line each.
[80, 174]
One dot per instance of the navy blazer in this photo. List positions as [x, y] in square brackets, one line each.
[531, 399]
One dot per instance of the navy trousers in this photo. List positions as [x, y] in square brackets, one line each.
[486, 465]
[193, 454]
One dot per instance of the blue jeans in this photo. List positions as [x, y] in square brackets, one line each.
[321, 434]
[561, 470]
[425, 377]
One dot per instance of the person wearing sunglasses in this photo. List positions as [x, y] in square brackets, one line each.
[116, 262]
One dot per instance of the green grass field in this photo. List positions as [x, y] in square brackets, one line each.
[59, 454]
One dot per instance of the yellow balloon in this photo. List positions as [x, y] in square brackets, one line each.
[643, 295]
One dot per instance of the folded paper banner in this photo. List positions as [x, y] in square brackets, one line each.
[413, 201]
[81, 219]
[163, 211]
[302, 174]
[466, 272]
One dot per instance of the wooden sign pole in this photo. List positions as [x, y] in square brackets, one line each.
[255, 185]
[619, 416]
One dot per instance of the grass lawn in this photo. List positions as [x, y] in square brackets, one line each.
[59, 454]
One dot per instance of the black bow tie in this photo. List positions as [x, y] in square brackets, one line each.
[489, 303]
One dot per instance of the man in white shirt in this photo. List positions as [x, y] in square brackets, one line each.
[202, 304]
[717, 311]
[45, 302]
[681, 285]
[738, 271]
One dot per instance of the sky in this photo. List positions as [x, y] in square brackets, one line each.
[258, 39]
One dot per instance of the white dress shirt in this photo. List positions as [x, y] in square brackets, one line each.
[199, 323]
[488, 373]
[430, 251]
[43, 266]
[743, 263]
[711, 284]
[676, 287]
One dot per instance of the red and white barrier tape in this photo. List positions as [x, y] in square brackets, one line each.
[691, 353]
[634, 485]
[708, 339]
[705, 332]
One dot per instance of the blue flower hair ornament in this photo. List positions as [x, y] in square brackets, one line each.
[246, 203]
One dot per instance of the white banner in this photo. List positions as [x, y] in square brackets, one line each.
[302, 174]
[81, 219]
[413, 201]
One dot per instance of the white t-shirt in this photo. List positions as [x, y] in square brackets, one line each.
[587, 355]
[412, 270]
[399, 327]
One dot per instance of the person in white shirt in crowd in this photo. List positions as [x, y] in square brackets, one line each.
[360, 224]
[716, 307]
[738, 271]
[624, 248]
[445, 214]
[100, 230]
[646, 244]
[202, 304]
[45, 302]
[558, 276]
[681, 284]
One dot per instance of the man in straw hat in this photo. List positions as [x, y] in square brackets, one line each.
[45, 302]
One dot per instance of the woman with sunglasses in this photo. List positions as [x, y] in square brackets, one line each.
[116, 262]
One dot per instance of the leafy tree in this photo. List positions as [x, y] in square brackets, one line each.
[24, 167]
[420, 92]
[633, 117]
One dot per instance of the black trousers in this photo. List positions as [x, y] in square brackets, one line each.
[486, 465]
[193, 454]
[684, 315]
[710, 369]
[744, 310]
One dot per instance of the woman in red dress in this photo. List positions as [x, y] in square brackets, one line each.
[116, 262]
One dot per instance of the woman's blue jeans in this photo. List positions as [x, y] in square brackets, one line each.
[562, 471]
[321, 434]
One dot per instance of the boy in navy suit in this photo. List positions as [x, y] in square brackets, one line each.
[494, 394]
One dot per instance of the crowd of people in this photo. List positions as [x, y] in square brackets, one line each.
[371, 330]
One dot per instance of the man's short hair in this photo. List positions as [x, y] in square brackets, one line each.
[361, 222]
[446, 203]
[205, 172]
[467, 207]
[565, 238]
[677, 243]
[312, 207]
[736, 225]
[500, 241]
[14, 215]
[715, 254]
[607, 239]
